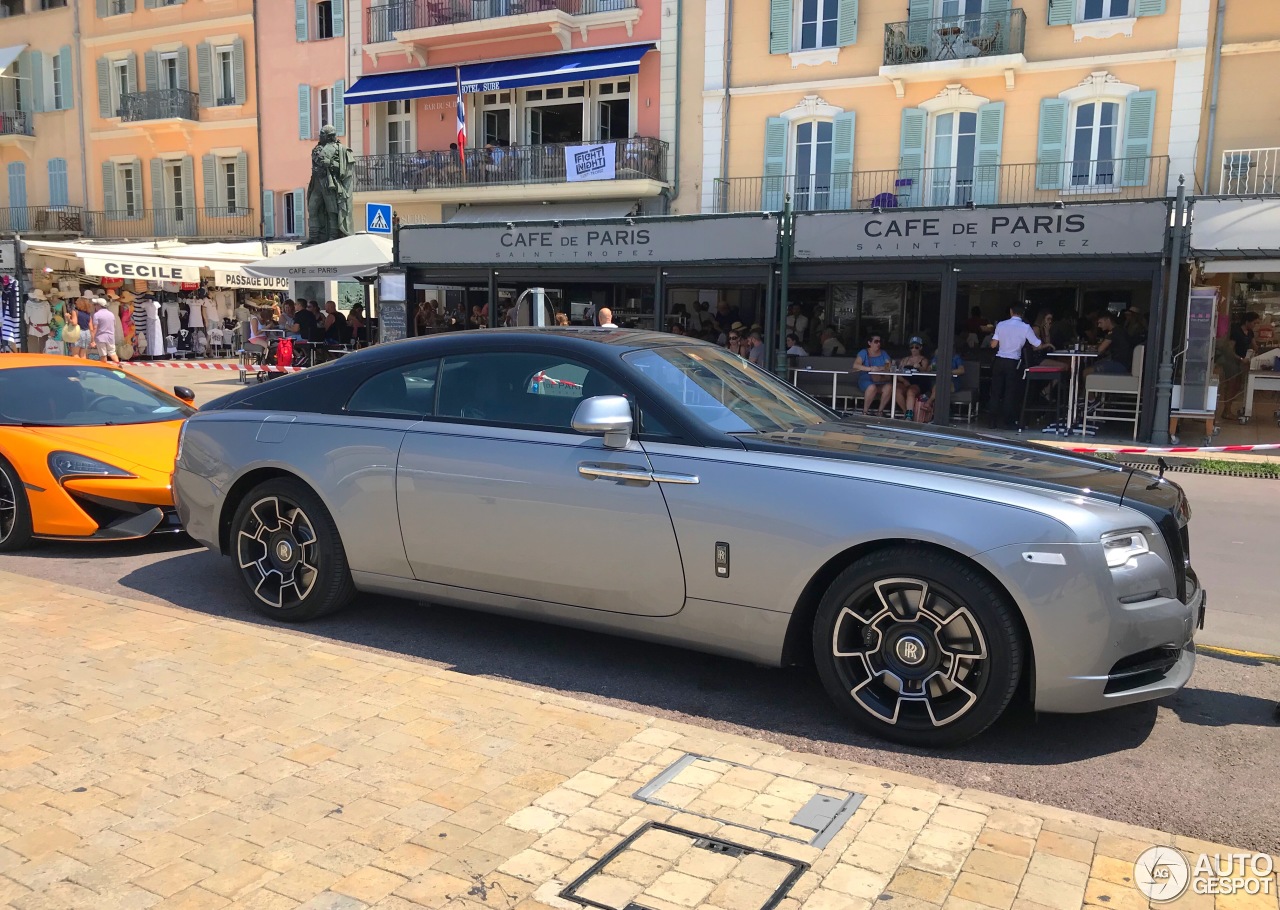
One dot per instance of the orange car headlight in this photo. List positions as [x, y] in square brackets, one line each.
[68, 464]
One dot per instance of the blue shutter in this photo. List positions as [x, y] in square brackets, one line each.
[340, 107]
[109, 189]
[1051, 144]
[986, 174]
[847, 23]
[919, 14]
[1149, 7]
[151, 66]
[780, 13]
[842, 141]
[775, 164]
[18, 195]
[339, 17]
[300, 212]
[268, 213]
[237, 69]
[64, 78]
[104, 88]
[1062, 12]
[36, 68]
[59, 192]
[304, 112]
[1139, 130]
[909, 187]
[300, 19]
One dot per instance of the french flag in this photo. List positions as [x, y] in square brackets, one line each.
[462, 124]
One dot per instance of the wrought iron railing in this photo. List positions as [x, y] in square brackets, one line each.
[16, 123]
[960, 37]
[1250, 172]
[211, 222]
[1105, 180]
[402, 15]
[162, 104]
[42, 219]
[639, 158]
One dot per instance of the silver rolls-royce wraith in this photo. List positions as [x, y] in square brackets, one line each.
[657, 487]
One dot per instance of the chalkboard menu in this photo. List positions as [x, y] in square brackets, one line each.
[391, 320]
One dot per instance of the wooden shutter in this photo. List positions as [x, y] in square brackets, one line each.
[775, 164]
[64, 77]
[1139, 131]
[184, 68]
[135, 168]
[59, 191]
[161, 216]
[109, 188]
[36, 68]
[300, 211]
[780, 15]
[242, 183]
[103, 10]
[104, 88]
[237, 66]
[151, 63]
[211, 200]
[300, 19]
[1062, 12]
[986, 174]
[1051, 144]
[842, 135]
[304, 112]
[189, 192]
[847, 23]
[204, 73]
[129, 6]
[909, 187]
[1149, 7]
[339, 17]
[340, 107]
[268, 213]
[18, 187]
[131, 71]
[919, 14]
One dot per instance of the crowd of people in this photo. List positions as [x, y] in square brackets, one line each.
[303, 322]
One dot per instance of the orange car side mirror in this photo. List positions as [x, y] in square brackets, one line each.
[184, 393]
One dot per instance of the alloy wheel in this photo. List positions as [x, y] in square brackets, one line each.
[8, 506]
[909, 653]
[278, 553]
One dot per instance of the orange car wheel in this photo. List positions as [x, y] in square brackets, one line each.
[15, 511]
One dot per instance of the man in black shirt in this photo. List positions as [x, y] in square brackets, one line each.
[1115, 351]
[1242, 335]
[306, 323]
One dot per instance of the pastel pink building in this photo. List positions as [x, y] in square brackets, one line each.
[569, 107]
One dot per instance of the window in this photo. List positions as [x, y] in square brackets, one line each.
[10, 8]
[231, 192]
[324, 19]
[128, 198]
[173, 186]
[59, 89]
[556, 115]
[118, 7]
[290, 219]
[169, 70]
[818, 23]
[1093, 144]
[16, 82]
[53, 4]
[1104, 9]
[813, 165]
[225, 75]
[399, 127]
[532, 390]
[407, 391]
[954, 147]
[326, 106]
[120, 84]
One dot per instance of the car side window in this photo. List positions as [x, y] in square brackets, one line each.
[406, 391]
[519, 388]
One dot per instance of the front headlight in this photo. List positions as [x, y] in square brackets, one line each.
[68, 464]
[1122, 546]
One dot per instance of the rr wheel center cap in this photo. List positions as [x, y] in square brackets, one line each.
[911, 651]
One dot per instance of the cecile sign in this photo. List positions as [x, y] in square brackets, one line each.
[143, 269]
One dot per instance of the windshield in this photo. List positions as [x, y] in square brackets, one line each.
[726, 393]
[82, 396]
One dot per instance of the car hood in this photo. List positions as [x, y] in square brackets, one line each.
[957, 452]
[145, 446]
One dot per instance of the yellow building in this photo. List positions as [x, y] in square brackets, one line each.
[171, 119]
[40, 118]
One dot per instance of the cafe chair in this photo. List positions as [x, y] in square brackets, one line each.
[1123, 393]
[964, 402]
[1034, 380]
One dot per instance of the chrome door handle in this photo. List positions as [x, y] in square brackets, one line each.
[674, 478]
[599, 472]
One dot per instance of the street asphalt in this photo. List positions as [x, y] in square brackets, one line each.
[1202, 763]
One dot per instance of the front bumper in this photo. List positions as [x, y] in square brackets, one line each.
[91, 508]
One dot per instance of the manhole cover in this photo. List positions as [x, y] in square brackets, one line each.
[660, 866]
[751, 798]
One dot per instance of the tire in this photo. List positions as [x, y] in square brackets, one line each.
[289, 553]
[958, 660]
[15, 511]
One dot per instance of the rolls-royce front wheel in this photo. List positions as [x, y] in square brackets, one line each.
[916, 646]
[289, 552]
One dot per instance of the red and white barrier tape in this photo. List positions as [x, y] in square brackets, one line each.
[184, 364]
[1175, 450]
[273, 369]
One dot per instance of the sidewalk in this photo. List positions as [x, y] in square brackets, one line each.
[155, 757]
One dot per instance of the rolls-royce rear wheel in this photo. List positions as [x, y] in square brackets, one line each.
[917, 647]
[289, 552]
[15, 511]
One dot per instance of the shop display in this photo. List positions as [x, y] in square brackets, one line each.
[37, 316]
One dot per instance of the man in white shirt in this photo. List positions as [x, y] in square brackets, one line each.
[831, 346]
[797, 322]
[606, 318]
[1006, 381]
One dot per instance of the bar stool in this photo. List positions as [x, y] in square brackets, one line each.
[1035, 376]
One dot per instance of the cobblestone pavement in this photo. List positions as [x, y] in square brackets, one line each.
[154, 757]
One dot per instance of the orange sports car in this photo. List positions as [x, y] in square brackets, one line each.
[86, 451]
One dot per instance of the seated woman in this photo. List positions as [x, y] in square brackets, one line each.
[914, 387]
[872, 366]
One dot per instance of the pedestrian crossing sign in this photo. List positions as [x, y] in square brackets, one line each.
[377, 218]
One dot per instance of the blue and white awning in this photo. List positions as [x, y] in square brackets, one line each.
[497, 75]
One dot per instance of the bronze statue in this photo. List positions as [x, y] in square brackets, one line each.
[330, 200]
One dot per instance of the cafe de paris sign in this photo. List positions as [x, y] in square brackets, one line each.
[1125, 229]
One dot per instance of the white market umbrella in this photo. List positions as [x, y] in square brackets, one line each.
[344, 259]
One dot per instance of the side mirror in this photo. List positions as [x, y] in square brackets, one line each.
[184, 393]
[605, 415]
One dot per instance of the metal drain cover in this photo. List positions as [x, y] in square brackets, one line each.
[660, 866]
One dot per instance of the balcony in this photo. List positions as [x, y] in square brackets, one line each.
[16, 126]
[507, 174]
[426, 23]
[209, 223]
[974, 45]
[42, 219]
[1250, 172]
[163, 104]
[1109, 180]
